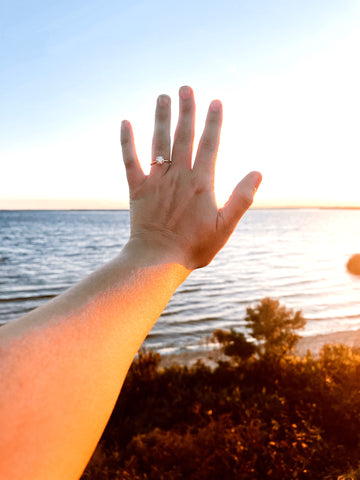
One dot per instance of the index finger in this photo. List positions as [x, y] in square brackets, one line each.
[134, 171]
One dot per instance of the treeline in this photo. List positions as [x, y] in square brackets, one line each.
[261, 414]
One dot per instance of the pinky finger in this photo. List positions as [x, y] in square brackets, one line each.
[134, 171]
[240, 200]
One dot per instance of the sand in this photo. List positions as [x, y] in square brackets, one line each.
[313, 343]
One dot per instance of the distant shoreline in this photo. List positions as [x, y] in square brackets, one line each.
[121, 209]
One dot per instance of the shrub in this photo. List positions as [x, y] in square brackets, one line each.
[273, 326]
[250, 418]
[234, 344]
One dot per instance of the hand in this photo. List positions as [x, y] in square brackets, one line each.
[173, 209]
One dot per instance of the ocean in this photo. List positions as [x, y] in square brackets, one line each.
[297, 256]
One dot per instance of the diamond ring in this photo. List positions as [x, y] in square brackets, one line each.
[160, 161]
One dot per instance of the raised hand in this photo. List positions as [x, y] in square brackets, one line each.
[173, 209]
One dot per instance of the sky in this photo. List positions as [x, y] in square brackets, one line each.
[286, 71]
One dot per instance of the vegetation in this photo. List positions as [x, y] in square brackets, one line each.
[262, 414]
[274, 327]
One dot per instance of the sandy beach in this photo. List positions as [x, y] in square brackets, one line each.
[313, 343]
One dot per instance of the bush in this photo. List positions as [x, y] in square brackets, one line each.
[248, 418]
[273, 326]
[234, 344]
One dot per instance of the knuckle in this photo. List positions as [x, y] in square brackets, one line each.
[129, 163]
[199, 184]
[161, 133]
[183, 136]
[161, 138]
[159, 147]
[187, 105]
[187, 109]
[245, 200]
[124, 140]
[162, 116]
[207, 143]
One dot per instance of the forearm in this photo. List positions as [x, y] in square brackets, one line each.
[70, 358]
[62, 366]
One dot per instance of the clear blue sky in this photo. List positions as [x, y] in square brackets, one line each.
[286, 71]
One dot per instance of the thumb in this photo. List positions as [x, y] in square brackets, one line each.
[240, 199]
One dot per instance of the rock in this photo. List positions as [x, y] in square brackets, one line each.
[353, 265]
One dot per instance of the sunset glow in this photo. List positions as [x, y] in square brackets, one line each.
[286, 75]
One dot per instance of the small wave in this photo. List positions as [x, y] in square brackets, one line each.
[333, 317]
[183, 308]
[189, 290]
[196, 321]
[26, 299]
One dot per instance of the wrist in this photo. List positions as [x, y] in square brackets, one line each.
[145, 251]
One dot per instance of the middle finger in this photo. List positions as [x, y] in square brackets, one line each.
[184, 135]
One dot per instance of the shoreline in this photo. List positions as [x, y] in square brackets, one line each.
[311, 343]
[314, 343]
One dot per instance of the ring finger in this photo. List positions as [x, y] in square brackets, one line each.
[161, 138]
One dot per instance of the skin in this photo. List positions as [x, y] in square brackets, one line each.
[62, 365]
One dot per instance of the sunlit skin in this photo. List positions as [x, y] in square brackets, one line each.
[62, 365]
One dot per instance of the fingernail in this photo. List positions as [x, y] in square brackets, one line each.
[163, 100]
[215, 106]
[185, 92]
[125, 125]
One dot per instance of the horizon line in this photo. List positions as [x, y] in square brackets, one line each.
[269, 207]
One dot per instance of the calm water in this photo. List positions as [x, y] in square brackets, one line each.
[296, 256]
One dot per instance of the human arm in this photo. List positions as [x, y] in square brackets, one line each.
[62, 365]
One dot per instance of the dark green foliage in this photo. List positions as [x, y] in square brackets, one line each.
[273, 327]
[249, 418]
[234, 344]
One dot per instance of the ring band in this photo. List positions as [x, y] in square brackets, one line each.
[160, 161]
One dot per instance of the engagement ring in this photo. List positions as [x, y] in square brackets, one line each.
[160, 161]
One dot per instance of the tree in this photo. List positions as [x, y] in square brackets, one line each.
[273, 327]
[234, 344]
